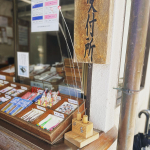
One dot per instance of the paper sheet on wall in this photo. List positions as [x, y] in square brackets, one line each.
[44, 15]
[9, 32]
[4, 36]
[23, 64]
[3, 21]
[23, 35]
[1, 37]
[9, 42]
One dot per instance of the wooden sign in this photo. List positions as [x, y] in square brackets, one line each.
[93, 29]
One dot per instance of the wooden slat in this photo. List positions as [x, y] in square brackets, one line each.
[67, 69]
[71, 74]
[80, 141]
[68, 63]
[73, 78]
[104, 142]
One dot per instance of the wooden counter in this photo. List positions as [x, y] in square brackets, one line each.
[103, 143]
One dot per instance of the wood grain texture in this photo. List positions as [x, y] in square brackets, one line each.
[80, 141]
[104, 141]
[100, 144]
[50, 137]
[102, 30]
[87, 129]
[69, 63]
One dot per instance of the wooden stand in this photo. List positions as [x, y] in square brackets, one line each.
[82, 132]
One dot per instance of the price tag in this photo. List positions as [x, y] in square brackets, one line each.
[41, 108]
[13, 85]
[73, 101]
[1, 81]
[58, 98]
[7, 96]
[4, 99]
[2, 77]
[6, 82]
[23, 88]
[59, 114]
[40, 91]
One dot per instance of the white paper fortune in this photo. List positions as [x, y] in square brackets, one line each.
[23, 64]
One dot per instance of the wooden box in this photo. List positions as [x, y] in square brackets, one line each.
[30, 127]
[84, 130]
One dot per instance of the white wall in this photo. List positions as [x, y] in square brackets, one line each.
[142, 104]
[105, 77]
[5, 9]
[103, 112]
[125, 37]
[144, 97]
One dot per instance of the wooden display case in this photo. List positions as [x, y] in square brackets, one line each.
[31, 128]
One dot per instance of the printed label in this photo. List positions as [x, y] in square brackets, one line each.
[7, 96]
[41, 108]
[73, 101]
[13, 85]
[6, 82]
[59, 98]
[40, 91]
[2, 77]
[23, 88]
[1, 81]
[36, 84]
[59, 114]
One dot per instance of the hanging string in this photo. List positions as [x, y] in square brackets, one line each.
[62, 59]
[63, 30]
[69, 61]
[74, 52]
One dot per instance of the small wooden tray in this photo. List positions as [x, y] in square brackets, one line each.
[29, 109]
[18, 86]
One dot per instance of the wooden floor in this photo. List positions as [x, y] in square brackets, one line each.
[103, 143]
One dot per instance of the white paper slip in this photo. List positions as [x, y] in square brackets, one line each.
[41, 108]
[13, 85]
[23, 88]
[3, 99]
[40, 91]
[7, 96]
[2, 77]
[73, 101]
[59, 114]
[59, 98]
[6, 82]
[1, 81]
